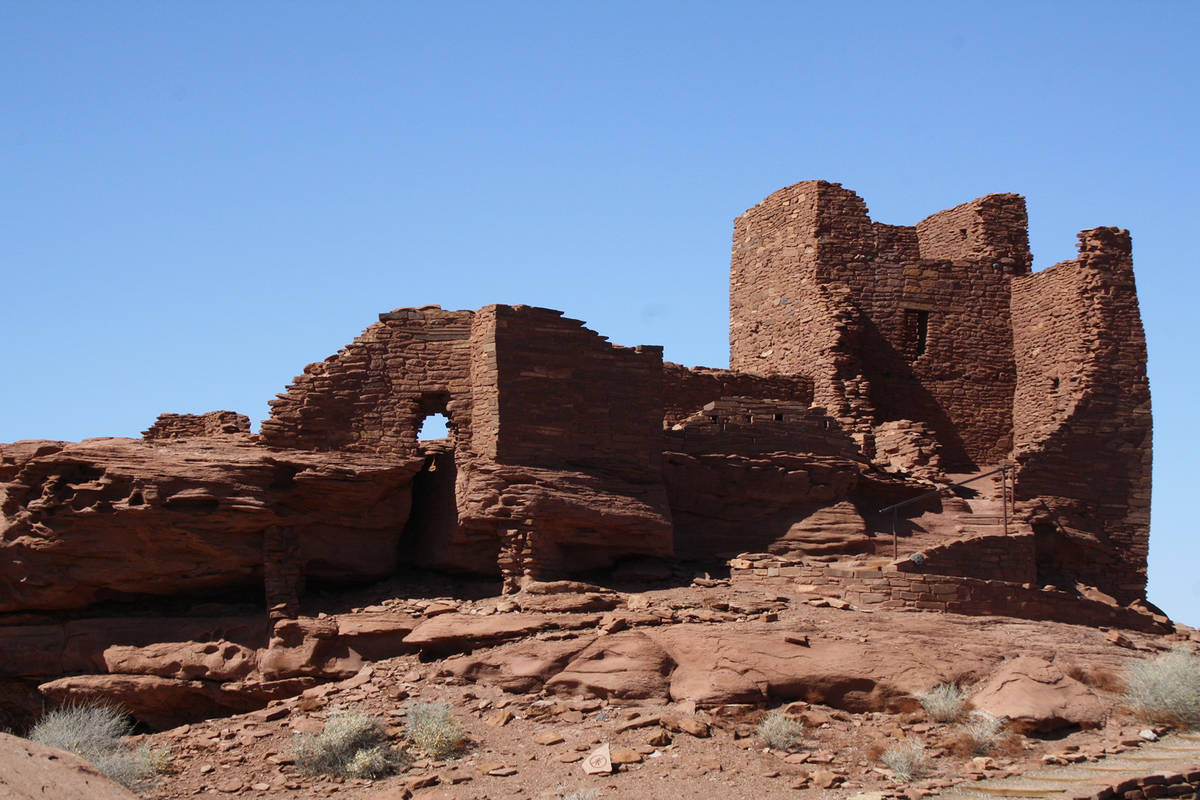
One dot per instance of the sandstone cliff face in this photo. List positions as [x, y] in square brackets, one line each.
[110, 518]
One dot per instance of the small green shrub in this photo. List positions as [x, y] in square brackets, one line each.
[778, 731]
[351, 744]
[95, 733]
[432, 729]
[906, 760]
[1167, 688]
[944, 702]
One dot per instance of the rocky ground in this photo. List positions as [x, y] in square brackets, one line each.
[674, 681]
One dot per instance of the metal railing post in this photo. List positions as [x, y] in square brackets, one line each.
[895, 541]
[895, 508]
[1004, 496]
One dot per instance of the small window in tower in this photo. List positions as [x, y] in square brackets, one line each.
[916, 332]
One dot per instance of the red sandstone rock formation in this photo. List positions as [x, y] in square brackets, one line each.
[29, 771]
[109, 518]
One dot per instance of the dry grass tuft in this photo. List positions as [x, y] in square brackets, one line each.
[944, 702]
[778, 731]
[905, 759]
[433, 729]
[1167, 688]
[982, 730]
[95, 733]
[579, 794]
[351, 745]
[1098, 678]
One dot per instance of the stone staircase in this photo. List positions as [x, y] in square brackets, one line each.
[1169, 767]
[983, 514]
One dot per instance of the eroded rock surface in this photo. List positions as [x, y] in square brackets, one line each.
[30, 771]
[1036, 695]
[106, 518]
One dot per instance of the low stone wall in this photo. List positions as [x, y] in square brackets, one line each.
[190, 426]
[685, 391]
[988, 557]
[1151, 786]
[748, 426]
[889, 588]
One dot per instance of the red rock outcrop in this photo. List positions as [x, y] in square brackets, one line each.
[1036, 695]
[30, 771]
[729, 503]
[109, 518]
[624, 666]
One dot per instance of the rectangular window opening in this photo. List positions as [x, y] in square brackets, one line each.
[916, 332]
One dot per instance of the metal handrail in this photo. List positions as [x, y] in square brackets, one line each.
[895, 507]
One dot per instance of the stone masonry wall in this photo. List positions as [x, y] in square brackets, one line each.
[926, 335]
[188, 426]
[992, 230]
[569, 398]
[906, 446]
[1153, 785]
[782, 320]
[1082, 406]
[372, 395]
[685, 391]
[994, 558]
[748, 426]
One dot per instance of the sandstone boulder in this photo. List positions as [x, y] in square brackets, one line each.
[519, 667]
[29, 771]
[1038, 696]
[728, 503]
[457, 633]
[158, 702]
[623, 666]
[376, 635]
[719, 666]
[584, 521]
[567, 602]
[711, 666]
[223, 661]
[308, 647]
[163, 703]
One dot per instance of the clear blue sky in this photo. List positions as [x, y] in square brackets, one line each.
[201, 198]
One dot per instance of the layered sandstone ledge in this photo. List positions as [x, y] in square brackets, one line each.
[889, 587]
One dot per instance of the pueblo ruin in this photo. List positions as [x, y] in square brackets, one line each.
[872, 366]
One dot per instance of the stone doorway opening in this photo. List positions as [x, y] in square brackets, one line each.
[433, 518]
